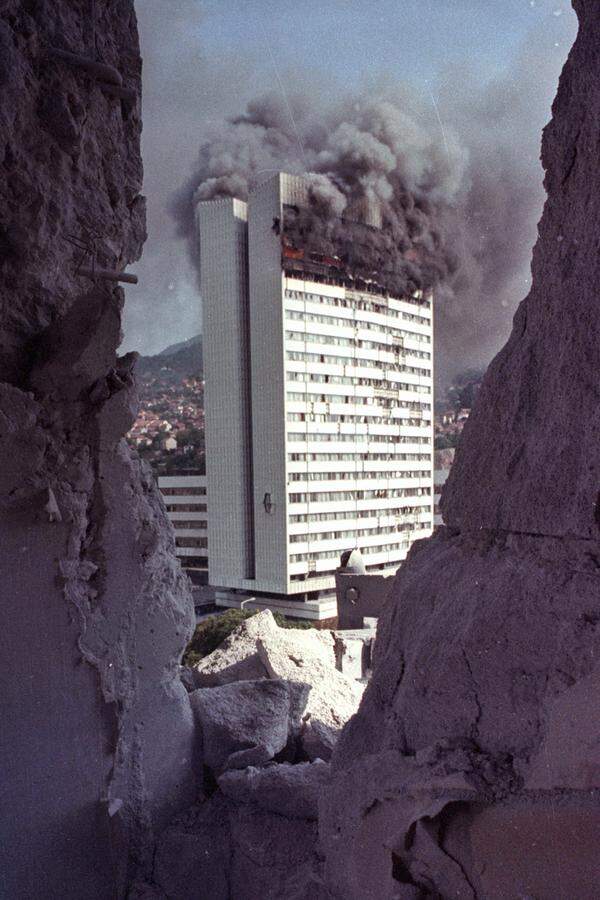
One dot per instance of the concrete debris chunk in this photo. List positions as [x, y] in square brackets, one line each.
[186, 677]
[237, 659]
[333, 697]
[259, 649]
[285, 789]
[246, 723]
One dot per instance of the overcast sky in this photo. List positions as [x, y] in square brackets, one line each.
[205, 60]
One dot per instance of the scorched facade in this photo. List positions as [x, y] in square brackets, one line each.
[319, 400]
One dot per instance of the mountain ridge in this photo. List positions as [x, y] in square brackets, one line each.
[182, 358]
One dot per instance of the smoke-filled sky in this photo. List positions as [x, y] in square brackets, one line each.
[467, 87]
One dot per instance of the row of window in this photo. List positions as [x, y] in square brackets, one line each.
[198, 524]
[401, 511]
[353, 533]
[357, 400]
[335, 341]
[377, 383]
[191, 542]
[329, 359]
[338, 438]
[366, 304]
[332, 341]
[338, 322]
[354, 457]
[330, 573]
[363, 420]
[194, 562]
[338, 496]
[357, 476]
[183, 491]
[186, 507]
[333, 554]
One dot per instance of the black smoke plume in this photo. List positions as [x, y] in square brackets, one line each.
[366, 161]
[453, 183]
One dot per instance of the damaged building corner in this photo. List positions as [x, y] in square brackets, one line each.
[470, 769]
[96, 739]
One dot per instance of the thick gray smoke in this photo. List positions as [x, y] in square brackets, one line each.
[367, 159]
[453, 177]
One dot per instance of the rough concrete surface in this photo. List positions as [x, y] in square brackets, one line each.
[221, 850]
[97, 752]
[471, 768]
[285, 789]
[237, 658]
[333, 698]
[246, 723]
[193, 855]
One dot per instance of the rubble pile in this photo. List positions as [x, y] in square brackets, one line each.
[238, 657]
[471, 769]
[264, 744]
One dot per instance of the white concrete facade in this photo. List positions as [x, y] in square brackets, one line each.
[186, 503]
[341, 400]
[222, 229]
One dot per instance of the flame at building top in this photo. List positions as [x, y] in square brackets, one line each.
[354, 243]
[356, 250]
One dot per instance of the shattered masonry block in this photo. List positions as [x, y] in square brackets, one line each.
[333, 697]
[246, 723]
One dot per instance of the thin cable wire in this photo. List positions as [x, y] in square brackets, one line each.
[285, 97]
[441, 124]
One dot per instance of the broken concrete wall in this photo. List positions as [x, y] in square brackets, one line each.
[471, 768]
[229, 847]
[96, 737]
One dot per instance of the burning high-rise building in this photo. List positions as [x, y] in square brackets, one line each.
[319, 403]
